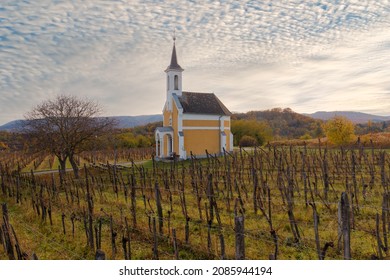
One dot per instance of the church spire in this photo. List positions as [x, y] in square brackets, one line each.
[174, 65]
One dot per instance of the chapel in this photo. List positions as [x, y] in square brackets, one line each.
[193, 122]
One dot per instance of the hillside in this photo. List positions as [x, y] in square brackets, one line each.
[12, 125]
[356, 117]
[133, 121]
[122, 122]
[285, 123]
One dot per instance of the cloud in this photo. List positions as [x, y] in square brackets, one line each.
[322, 55]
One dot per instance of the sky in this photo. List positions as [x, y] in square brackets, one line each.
[321, 55]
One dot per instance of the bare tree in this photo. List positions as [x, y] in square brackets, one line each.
[64, 125]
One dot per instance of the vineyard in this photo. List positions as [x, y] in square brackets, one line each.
[262, 203]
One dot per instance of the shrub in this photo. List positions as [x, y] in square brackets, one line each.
[247, 141]
[258, 130]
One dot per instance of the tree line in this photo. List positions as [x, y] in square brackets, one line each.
[285, 123]
[260, 127]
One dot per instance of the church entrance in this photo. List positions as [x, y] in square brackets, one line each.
[164, 142]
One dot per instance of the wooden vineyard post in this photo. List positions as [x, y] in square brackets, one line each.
[325, 175]
[339, 227]
[1, 237]
[49, 211]
[72, 218]
[345, 225]
[210, 196]
[187, 230]
[383, 170]
[222, 243]
[240, 238]
[34, 257]
[185, 213]
[18, 188]
[290, 206]
[128, 236]
[169, 223]
[90, 211]
[63, 223]
[255, 188]
[208, 231]
[354, 182]
[274, 256]
[98, 234]
[124, 247]
[155, 239]
[3, 184]
[269, 220]
[378, 238]
[304, 174]
[159, 208]
[113, 237]
[385, 217]
[133, 202]
[100, 255]
[221, 238]
[5, 228]
[317, 238]
[175, 248]
[97, 237]
[19, 252]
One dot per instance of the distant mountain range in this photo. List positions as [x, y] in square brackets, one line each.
[355, 117]
[132, 121]
[122, 122]
[11, 126]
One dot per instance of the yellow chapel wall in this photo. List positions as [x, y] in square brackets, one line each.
[203, 132]
[166, 115]
[165, 148]
[197, 141]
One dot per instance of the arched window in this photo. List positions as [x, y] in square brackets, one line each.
[176, 82]
[167, 82]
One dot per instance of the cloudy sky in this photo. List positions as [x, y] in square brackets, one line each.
[255, 55]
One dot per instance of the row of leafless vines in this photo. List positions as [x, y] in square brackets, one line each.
[262, 203]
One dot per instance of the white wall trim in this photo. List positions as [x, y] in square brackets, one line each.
[223, 142]
[179, 122]
[231, 142]
[182, 151]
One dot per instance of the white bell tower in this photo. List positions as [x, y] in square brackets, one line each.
[174, 77]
